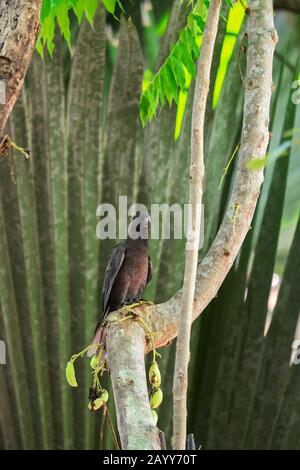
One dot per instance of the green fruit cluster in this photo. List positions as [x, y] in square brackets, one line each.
[96, 404]
[98, 396]
[156, 396]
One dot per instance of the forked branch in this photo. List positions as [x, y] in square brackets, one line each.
[127, 372]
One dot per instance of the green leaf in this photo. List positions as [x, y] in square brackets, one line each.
[47, 33]
[166, 87]
[160, 88]
[182, 57]
[167, 84]
[191, 43]
[178, 72]
[79, 8]
[110, 5]
[171, 82]
[90, 9]
[47, 30]
[45, 10]
[144, 107]
[64, 22]
[200, 22]
[183, 53]
[54, 4]
[153, 100]
[187, 60]
[39, 46]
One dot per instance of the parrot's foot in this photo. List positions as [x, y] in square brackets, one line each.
[137, 304]
[130, 306]
[146, 302]
[136, 317]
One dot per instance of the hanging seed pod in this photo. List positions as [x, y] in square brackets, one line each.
[155, 417]
[94, 362]
[156, 398]
[154, 375]
[70, 374]
[95, 405]
[104, 396]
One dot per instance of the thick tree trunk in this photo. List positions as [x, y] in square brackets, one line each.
[19, 24]
[163, 318]
[130, 387]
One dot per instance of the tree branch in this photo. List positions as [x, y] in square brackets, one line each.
[135, 421]
[19, 23]
[163, 319]
[180, 383]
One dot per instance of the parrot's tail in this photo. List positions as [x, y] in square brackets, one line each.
[98, 339]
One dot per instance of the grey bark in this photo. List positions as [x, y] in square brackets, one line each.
[135, 422]
[19, 23]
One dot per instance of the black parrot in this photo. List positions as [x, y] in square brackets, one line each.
[128, 272]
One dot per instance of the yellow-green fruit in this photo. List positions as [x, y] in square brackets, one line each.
[156, 398]
[94, 362]
[155, 417]
[104, 396]
[70, 374]
[154, 375]
[96, 404]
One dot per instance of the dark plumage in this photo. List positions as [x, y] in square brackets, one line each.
[128, 271]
